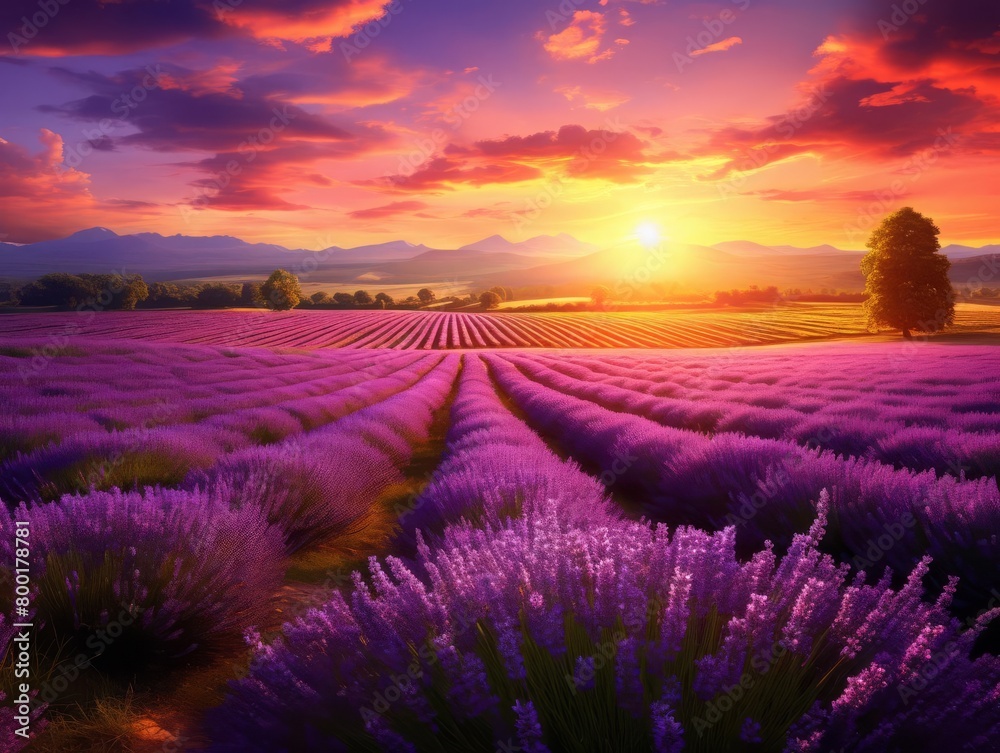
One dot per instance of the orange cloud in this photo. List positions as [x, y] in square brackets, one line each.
[387, 210]
[40, 198]
[594, 99]
[720, 46]
[314, 26]
[580, 40]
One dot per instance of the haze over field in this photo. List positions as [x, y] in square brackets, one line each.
[558, 261]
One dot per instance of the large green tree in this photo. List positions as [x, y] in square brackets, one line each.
[906, 277]
[489, 300]
[281, 290]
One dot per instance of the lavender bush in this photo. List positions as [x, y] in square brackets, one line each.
[496, 467]
[618, 637]
[174, 570]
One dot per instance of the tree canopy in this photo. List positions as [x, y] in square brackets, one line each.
[906, 277]
[489, 300]
[281, 290]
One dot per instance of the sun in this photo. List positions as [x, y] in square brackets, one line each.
[648, 234]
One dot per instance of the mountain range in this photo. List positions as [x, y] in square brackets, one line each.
[551, 260]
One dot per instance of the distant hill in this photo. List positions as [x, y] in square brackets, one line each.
[543, 260]
[695, 267]
[391, 251]
[178, 257]
[749, 248]
[541, 245]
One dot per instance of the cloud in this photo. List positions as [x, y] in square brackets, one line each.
[923, 84]
[182, 116]
[387, 210]
[365, 81]
[39, 198]
[445, 174]
[581, 40]
[573, 151]
[501, 210]
[100, 27]
[594, 99]
[720, 46]
[262, 146]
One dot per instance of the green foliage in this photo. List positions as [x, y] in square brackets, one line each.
[281, 291]
[320, 298]
[906, 276]
[169, 295]
[85, 291]
[489, 300]
[219, 296]
[343, 299]
[250, 295]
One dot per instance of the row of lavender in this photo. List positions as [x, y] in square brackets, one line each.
[536, 618]
[880, 515]
[506, 615]
[938, 411]
[207, 408]
[169, 572]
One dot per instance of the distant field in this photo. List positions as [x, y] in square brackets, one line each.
[428, 330]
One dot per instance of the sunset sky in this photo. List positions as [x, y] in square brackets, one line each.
[317, 122]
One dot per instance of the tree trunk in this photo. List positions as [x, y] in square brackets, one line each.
[906, 333]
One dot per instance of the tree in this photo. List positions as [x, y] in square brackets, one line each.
[906, 279]
[320, 298]
[134, 291]
[362, 298]
[489, 300]
[501, 294]
[281, 290]
[57, 289]
[600, 295]
[426, 295]
[250, 295]
[219, 296]
[384, 300]
[343, 299]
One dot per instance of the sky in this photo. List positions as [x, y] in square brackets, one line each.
[312, 123]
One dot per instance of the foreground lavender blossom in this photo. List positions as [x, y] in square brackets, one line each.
[881, 515]
[172, 570]
[328, 480]
[496, 467]
[618, 637]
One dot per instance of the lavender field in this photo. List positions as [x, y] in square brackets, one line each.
[774, 549]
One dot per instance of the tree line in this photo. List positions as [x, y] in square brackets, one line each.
[281, 291]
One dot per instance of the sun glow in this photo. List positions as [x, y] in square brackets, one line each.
[648, 234]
